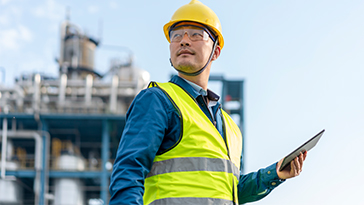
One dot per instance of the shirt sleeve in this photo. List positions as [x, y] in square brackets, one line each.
[256, 185]
[145, 127]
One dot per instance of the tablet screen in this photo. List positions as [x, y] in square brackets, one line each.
[305, 147]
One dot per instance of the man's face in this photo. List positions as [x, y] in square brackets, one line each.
[188, 55]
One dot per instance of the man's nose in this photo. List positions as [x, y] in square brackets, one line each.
[185, 40]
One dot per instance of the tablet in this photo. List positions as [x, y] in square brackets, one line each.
[305, 147]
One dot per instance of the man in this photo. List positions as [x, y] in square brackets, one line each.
[178, 145]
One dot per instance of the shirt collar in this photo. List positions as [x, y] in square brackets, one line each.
[198, 88]
[193, 89]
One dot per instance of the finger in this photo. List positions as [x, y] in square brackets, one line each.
[293, 168]
[300, 160]
[304, 155]
[297, 166]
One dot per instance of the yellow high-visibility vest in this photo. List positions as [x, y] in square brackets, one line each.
[200, 168]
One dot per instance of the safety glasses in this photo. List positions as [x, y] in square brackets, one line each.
[194, 33]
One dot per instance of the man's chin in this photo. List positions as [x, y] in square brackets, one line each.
[186, 68]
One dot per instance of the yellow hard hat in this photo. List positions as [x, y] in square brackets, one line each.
[195, 11]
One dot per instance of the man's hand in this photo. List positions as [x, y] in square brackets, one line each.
[292, 170]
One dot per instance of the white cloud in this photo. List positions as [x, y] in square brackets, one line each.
[39, 11]
[51, 13]
[11, 39]
[50, 10]
[4, 20]
[16, 11]
[93, 9]
[3, 2]
[8, 39]
[10, 14]
[24, 33]
[114, 5]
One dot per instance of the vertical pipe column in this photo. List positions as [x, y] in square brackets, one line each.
[44, 171]
[62, 90]
[105, 157]
[3, 147]
[88, 89]
[36, 94]
[114, 94]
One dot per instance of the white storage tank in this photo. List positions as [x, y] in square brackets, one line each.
[11, 193]
[69, 190]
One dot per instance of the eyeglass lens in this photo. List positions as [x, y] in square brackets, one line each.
[194, 33]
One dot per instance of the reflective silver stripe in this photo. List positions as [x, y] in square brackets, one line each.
[185, 201]
[194, 164]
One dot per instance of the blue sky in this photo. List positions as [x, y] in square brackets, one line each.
[302, 62]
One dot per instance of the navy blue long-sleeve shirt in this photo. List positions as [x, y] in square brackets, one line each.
[152, 127]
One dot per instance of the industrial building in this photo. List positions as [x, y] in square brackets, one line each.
[59, 135]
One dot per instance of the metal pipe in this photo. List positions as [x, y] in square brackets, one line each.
[36, 96]
[15, 90]
[62, 89]
[88, 89]
[3, 147]
[46, 149]
[105, 158]
[38, 154]
[114, 93]
[37, 166]
[19, 97]
[13, 124]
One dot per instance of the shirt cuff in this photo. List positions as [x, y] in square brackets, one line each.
[271, 176]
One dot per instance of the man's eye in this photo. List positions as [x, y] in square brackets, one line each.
[196, 34]
[177, 35]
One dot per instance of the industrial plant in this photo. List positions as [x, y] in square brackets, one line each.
[59, 135]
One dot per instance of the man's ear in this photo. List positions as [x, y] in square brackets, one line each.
[216, 53]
